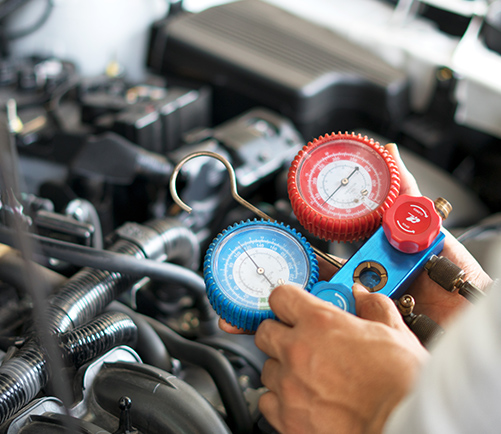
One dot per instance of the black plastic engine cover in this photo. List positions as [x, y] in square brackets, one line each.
[253, 53]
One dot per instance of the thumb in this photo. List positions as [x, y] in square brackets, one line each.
[376, 307]
[408, 184]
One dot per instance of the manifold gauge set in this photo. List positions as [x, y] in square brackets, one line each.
[344, 188]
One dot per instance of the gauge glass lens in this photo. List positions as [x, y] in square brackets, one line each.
[343, 178]
[253, 260]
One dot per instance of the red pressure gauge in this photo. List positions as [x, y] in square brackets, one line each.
[340, 185]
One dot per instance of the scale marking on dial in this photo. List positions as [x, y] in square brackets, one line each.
[340, 184]
[247, 261]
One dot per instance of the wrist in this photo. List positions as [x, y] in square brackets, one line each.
[396, 395]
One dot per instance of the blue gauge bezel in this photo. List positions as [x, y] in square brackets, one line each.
[231, 311]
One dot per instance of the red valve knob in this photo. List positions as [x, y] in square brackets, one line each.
[411, 223]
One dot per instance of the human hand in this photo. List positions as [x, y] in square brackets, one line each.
[431, 299]
[331, 371]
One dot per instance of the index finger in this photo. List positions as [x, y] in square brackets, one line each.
[228, 328]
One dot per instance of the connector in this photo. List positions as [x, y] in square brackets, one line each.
[425, 329]
[451, 277]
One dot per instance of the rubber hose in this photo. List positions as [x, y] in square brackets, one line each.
[182, 247]
[149, 346]
[122, 263]
[218, 367]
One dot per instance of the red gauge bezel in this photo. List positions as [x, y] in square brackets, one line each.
[347, 228]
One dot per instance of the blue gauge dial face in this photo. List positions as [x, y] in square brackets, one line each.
[252, 260]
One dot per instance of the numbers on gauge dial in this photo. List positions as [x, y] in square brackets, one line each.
[259, 270]
[352, 181]
[252, 261]
[345, 185]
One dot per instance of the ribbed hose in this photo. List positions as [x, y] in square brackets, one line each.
[22, 377]
[88, 292]
[97, 337]
[82, 298]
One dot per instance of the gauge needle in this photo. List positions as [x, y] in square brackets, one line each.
[260, 270]
[344, 182]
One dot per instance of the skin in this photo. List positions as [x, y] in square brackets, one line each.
[330, 371]
[431, 299]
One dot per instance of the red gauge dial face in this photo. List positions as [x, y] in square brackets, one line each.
[343, 179]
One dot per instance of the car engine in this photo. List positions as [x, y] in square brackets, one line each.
[105, 322]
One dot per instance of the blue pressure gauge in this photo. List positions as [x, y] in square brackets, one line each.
[247, 261]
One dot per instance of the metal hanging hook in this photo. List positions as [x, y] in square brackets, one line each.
[233, 183]
[234, 193]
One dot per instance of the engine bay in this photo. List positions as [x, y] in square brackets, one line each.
[105, 322]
